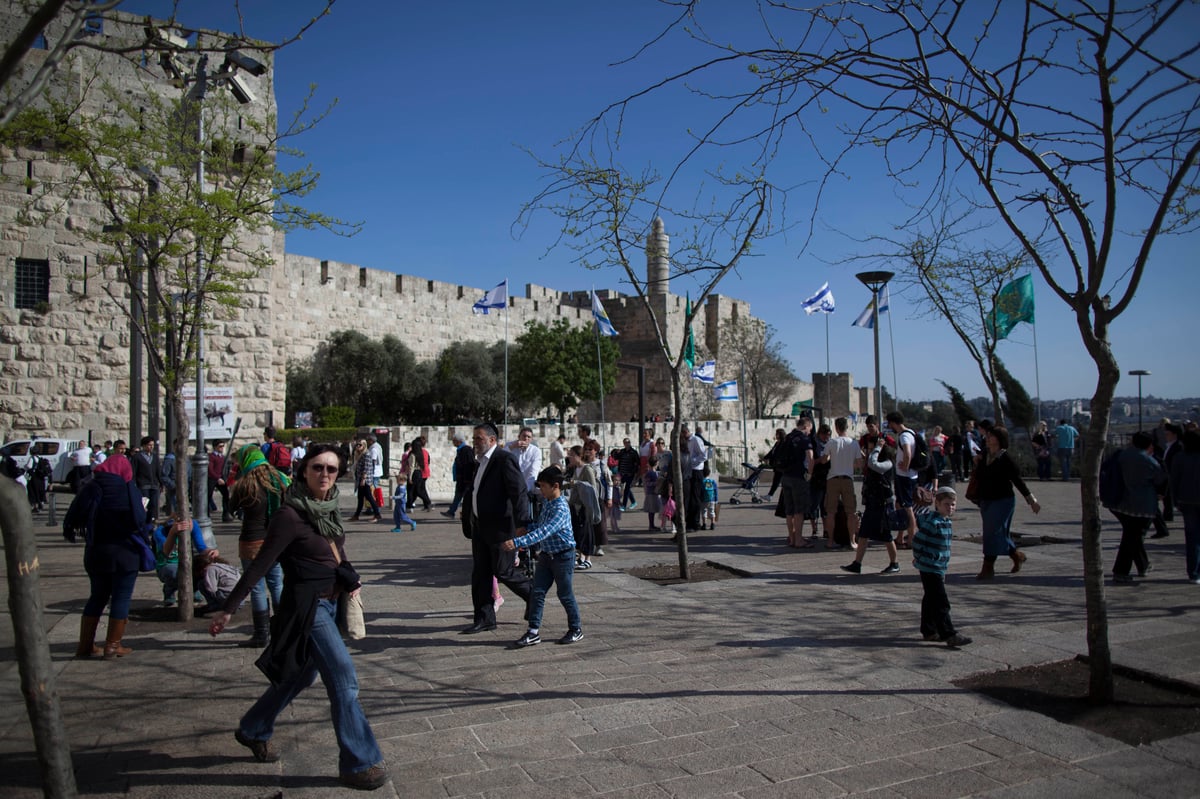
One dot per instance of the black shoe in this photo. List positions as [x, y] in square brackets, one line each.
[528, 639]
[958, 639]
[1160, 534]
[1122, 578]
[891, 568]
[448, 514]
[263, 751]
[368, 780]
[478, 627]
[853, 568]
[930, 636]
[571, 637]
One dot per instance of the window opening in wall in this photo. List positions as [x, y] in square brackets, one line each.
[32, 283]
[430, 287]
[362, 277]
[399, 284]
[29, 177]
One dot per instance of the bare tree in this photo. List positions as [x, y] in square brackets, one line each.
[609, 217]
[69, 25]
[1075, 122]
[769, 377]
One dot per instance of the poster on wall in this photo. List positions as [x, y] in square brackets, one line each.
[304, 420]
[219, 411]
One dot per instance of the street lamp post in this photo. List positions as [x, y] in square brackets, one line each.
[1139, 374]
[875, 281]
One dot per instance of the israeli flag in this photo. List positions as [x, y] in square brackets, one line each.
[821, 302]
[496, 298]
[603, 324]
[867, 317]
[706, 372]
[726, 391]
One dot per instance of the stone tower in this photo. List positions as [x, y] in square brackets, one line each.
[658, 260]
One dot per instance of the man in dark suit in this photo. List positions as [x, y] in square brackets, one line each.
[147, 474]
[495, 506]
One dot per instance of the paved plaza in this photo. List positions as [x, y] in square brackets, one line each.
[799, 680]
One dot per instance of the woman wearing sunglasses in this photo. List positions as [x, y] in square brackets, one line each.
[305, 536]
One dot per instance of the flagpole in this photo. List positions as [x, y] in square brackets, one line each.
[828, 390]
[741, 390]
[892, 345]
[1037, 376]
[599, 364]
[504, 436]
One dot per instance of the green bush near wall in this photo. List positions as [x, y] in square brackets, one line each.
[318, 435]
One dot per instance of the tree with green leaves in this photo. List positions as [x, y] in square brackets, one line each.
[378, 378]
[1017, 404]
[467, 383]
[1069, 126]
[555, 366]
[962, 410]
[173, 252]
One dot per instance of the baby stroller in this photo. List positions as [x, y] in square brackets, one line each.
[749, 486]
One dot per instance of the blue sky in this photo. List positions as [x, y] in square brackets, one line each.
[437, 100]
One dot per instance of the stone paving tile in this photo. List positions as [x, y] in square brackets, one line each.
[1049, 737]
[1183, 749]
[949, 758]
[1065, 785]
[802, 762]
[878, 774]
[665, 749]
[719, 783]
[629, 774]
[550, 789]
[808, 787]
[1143, 771]
[611, 739]
[1017, 768]
[551, 728]
[690, 725]
[948, 785]
[481, 781]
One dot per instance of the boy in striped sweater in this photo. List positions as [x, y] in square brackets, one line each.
[931, 556]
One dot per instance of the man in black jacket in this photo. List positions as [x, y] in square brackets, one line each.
[147, 474]
[495, 506]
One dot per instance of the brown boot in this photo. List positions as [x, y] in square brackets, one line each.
[988, 571]
[112, 641]
[87, 638]
[1018, 559]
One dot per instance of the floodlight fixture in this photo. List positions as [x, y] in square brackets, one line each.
[240, 90]
[245, 63]
[162, 36]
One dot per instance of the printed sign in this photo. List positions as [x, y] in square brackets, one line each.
[219, 411]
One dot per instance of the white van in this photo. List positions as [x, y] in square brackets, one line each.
[52, 449]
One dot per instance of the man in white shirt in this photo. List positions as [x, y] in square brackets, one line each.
[529, 458]
[841, 453]
[558, 452]
[376, 452]
[696, 459]
[81, 465]
[906, 476]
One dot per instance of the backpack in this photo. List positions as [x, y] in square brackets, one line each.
[791, 452]
[43, 468]
[280, 457]
[1112, 481]
[920, 455]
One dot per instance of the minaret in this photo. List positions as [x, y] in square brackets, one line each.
[658, 260]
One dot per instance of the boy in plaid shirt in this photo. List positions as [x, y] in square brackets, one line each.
[555, 560]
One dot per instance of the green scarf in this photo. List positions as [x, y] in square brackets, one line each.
[323, 514]
[250, 457]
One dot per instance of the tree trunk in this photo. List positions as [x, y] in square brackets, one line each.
[187, 604]
[31, 645]
[1100, 684]
[677, 479]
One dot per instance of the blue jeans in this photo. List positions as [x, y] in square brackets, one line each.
[168, 573]
[399, 517]
[117, 586]
[327, 655]
[557, 569]
[273, 582]
[997, 516]
[1191, 538]
[1064, 462]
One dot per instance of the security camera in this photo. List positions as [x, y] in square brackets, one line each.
[163, 36]
[246, 63]
[240, 90]
[169, 66]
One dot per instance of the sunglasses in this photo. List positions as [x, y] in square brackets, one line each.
[322, 468]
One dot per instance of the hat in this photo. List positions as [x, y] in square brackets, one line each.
[945, 491]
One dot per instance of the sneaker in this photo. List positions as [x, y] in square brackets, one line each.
[449, 514]
[599, 552]
[528, 639]
[929, 636]
[1122, 578]
[398, 529]
[263, 751]
[632, 506]
[584, 564]
[891, 568]
[1194, 580]
[413, 529]
[853, 568]
[571, 637]
[368, 780]
[958, 639]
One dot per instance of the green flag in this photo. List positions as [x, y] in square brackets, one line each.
[689, 350]
[1014, 304]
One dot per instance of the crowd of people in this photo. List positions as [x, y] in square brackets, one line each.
[531, 528]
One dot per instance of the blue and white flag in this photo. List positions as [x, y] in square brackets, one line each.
[603, 324]
[821, 302]
[496, 298]
[726, 391]
[867, 317]
[705, 372]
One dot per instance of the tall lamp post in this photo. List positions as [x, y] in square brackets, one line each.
[875, 281]
[1139, 374]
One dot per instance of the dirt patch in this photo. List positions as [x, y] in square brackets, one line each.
[1148, 707]
[698, 572]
